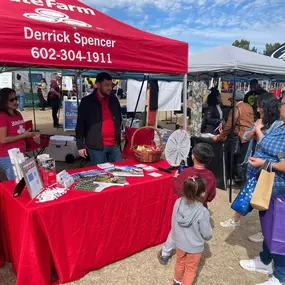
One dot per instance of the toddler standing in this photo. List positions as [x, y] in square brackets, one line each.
[191, 228]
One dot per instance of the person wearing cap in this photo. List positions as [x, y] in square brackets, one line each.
[98, 129]
[243, 119]
[251, 96]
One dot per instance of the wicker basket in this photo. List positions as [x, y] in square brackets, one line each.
[146, 156]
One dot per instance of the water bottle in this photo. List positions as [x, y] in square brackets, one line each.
[181, 166]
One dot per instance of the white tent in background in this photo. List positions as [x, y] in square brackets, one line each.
[228, 60]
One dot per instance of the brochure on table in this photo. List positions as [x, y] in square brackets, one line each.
[96, 180]
[128, 171]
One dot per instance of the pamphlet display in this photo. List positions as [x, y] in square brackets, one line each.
[32, 177]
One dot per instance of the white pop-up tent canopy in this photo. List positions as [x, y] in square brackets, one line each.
[230, 60]
[235, 62]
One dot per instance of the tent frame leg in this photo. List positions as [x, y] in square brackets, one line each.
[231, 138]
[33, 99]
[185, 102]
[145, 78]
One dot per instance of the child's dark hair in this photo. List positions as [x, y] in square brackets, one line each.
[203, 152]
[194, 187]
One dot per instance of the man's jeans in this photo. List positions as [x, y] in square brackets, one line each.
[106, 154]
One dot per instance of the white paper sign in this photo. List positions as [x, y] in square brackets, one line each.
[67, 83]
[133, 89]
[169, 96]
[6, 80]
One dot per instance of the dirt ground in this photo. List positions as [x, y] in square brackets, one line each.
[220, 263]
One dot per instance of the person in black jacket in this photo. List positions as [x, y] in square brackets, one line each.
[98, 129]
[213, 114]
[251, 97]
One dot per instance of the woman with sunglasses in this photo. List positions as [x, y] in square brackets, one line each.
[12, 130]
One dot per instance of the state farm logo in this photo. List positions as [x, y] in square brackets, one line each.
[51, 16]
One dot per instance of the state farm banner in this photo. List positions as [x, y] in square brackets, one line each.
[71, 34]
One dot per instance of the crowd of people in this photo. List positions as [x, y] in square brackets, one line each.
[260, 130]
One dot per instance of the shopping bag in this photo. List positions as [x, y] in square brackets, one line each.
[261, 197]
[242, 202]
[273, 225]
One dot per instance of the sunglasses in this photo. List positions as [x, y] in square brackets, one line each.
[13, 99]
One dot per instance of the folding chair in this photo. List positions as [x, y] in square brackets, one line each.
[33, 146]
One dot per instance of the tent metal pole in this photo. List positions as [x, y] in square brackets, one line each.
[185, 102]
[34, 112]
[231, 138]
[77, 89]
[80, 84]
[61, 96]
[145, 77]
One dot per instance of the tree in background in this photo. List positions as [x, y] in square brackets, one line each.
[270, 48]
[244, 44]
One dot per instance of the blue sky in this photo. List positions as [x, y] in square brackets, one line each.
[203, 23]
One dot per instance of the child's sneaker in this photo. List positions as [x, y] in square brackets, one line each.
[164, 259]
[177, 283]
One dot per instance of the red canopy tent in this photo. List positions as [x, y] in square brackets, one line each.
[69, 34]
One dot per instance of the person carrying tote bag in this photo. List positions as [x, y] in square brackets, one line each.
[262, 193]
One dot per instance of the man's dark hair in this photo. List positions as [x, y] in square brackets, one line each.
[103, 76]
[253, 82]
[18, 77]
[203, 152]
[212, 99]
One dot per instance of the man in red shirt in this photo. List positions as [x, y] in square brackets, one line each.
[202, 154]
[55, 99]
[98, 129]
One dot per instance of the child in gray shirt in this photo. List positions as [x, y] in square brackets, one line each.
[191, 228]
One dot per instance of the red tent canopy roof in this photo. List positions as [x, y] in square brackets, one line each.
[69, 34]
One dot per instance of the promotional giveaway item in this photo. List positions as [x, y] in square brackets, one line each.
[47, 169]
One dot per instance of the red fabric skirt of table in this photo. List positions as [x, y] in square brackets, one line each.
[83, 231]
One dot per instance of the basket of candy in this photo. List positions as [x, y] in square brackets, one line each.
[147, 153]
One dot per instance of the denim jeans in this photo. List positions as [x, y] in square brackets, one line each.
[6, 166]
[21, 102]
[106, 154]
[279, 262]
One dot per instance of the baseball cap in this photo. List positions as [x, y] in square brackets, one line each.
[239, 95]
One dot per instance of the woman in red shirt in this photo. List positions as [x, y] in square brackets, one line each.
[12, 130]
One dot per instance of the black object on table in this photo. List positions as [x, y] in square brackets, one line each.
[219, 163]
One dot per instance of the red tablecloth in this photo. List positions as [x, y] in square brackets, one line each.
[83, 231]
